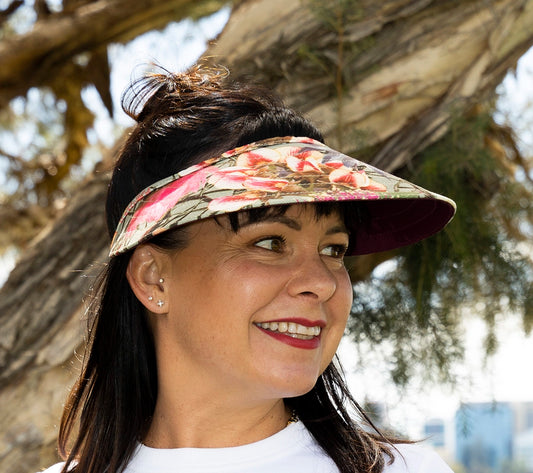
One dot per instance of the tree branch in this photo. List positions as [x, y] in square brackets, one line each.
[11, 8]
[34, 58]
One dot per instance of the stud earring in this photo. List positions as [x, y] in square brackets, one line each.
[161, 280]
[150, 298]
[160, 303]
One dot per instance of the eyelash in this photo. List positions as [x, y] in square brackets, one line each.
[339, 250]
[278, 238]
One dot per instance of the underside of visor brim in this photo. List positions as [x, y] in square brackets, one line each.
[391, 224]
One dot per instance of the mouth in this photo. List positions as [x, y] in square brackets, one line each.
[291, 329]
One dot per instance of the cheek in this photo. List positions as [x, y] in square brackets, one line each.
[250, 286]
[344, 296]
[341, 304]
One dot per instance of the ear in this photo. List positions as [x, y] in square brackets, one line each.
[144, 275]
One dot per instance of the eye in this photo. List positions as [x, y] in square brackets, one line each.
[271, 243]
[335, 251]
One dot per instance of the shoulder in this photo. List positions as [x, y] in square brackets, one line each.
[54, 468]
[412, 458]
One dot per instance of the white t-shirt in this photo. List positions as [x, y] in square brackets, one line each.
[292, 450]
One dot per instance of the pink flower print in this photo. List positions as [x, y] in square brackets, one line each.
[264, 184]
[228, 178]
[375, 186]
[161, 201]
[238, 178]
[231, 203]
[339, 196]
[197, 167]
[258, 157]
[343, 175]
[303, 165]
[303, 139]
[303, 153]
[335, 164]
[231, 152]
[357, 179]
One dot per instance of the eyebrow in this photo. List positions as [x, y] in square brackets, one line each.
[291, 223]
[338, 229]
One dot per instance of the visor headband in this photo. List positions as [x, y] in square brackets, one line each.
[276, 171]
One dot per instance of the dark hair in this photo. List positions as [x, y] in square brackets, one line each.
[183, 119]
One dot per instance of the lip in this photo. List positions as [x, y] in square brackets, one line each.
[310, 344]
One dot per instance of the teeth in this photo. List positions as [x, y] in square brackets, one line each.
[293, 329]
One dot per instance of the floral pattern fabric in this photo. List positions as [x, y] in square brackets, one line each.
[271, 172]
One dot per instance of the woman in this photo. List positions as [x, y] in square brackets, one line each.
[226, 295]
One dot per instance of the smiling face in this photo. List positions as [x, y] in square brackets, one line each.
[257, 313]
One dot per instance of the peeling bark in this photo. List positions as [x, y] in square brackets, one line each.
[41, 313]
[408, 66]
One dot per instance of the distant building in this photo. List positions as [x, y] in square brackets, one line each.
[523, 450]
[434, 433]
[523, 435]
[523, 416]
[484, 436]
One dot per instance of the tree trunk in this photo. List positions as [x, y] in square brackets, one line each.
[406, 65]
[384, 75]
[41, 313]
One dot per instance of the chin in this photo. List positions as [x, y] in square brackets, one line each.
[297, 389]
[287, 383]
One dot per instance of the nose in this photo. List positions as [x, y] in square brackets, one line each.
[312, 278]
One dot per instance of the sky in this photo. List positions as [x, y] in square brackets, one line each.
[500, 378]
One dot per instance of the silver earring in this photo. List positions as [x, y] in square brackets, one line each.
[160, 303]
[161, 280]
[150, 298]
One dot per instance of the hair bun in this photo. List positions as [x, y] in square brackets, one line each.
[162, 90]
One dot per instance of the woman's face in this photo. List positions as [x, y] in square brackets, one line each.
[256, 313]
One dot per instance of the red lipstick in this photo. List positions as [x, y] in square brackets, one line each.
[310, 344]
[286, 337]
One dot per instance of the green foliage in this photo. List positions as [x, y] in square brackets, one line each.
[336, 14]
[333, 61]
[32, 132]
[335, 54]
[479, 262]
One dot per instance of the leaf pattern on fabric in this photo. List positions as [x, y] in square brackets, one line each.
[271, 172]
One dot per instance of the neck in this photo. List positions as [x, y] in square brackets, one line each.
[209, 425]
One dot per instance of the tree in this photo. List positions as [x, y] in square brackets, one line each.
[405, 85]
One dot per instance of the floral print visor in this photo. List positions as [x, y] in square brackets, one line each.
[281, 171]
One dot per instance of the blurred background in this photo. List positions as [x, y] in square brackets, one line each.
[438, 345]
